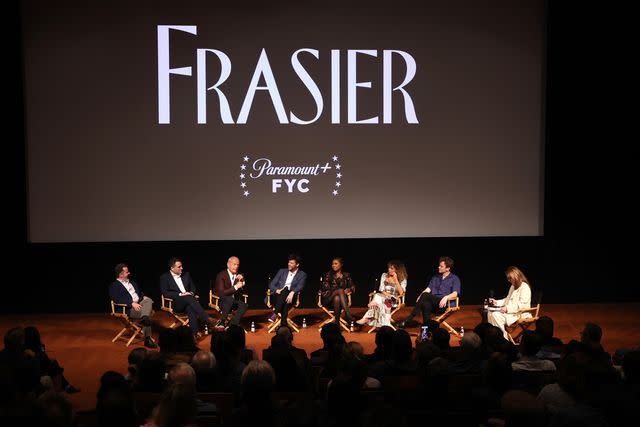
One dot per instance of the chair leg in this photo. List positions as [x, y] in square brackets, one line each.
[119, 335]
[329, 320]
[135, 333]
[449, 328]
[275, 324]
[293, 325]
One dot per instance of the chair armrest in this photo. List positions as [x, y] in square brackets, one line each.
[115, 304]
[245, 297]
[526, 310]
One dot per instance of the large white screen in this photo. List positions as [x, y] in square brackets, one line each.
[135, 132]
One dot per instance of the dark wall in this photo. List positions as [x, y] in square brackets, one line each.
[577, 260]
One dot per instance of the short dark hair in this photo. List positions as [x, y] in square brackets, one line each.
[173, 260]
[447, 261]
[120, 267]
[295, 257]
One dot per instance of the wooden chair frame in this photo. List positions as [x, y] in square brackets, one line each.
[401, 303]
[293, 325]
[180, 319]
[214, 302]
[343, 323]
[517, 328]
[441, 318]
[131, 330]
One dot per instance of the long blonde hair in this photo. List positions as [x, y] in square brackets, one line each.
[515, 275]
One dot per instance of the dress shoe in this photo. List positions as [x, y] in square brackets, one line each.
[273, 317]
[149, 343]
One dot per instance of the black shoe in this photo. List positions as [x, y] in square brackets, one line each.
[149, 343]
[71, 389]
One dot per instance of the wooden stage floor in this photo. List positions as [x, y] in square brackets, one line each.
[82, 342]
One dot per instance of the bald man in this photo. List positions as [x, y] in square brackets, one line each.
[227, 286]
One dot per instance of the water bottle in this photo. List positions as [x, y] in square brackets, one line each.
[304, 322]
[253, 326]
[461, 331]
[351, 326]
[206, 329]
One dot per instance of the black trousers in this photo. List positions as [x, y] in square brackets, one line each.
[229, 303]
[281, 305]
[427, 304]
[189, 304]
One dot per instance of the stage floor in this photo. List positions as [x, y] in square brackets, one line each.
[82, 342]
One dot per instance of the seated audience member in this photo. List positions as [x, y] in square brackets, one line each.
[298, 354]
[55, 410]
[552, 347]
[469, 359]
[48, 367]
[151, 374]
[20, 369]
[393, 285]
[442, 288]
[204, 365]
[440, 337]
[384, 344]
[177, 407]
[135, 358]
[238, 341]
[497, 378]
[329, 334]
[115, 405]
[522, 409]
[289, 376]
[528, 360]
[401, 362]
[258, 382]
[183, 374]
[139, 306]
[229, 364]
[228, 286]
[519, 297]
[353, 365]
[336, 286]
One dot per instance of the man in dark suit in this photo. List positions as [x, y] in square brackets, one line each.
[180, 287]
[227, 286]
[139, 306]
[287, 282]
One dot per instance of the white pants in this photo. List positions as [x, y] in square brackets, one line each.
[501, 320]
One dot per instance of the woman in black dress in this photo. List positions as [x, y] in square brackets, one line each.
[336, 285]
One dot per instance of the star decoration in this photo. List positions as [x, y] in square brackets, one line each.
[241, 176]
[335, 192]
[242, 184]
[246, 193]
[338, 166]
[335, 158]
[243, 167]
[338, 184]
[245, 158]
[338, 175]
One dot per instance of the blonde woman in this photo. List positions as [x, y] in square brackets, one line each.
[393, 284]
[519, 297]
